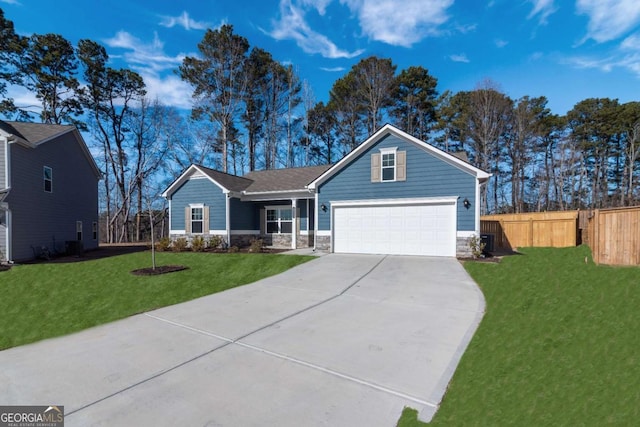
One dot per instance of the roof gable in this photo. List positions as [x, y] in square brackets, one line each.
[226, 182]
[392, 130]
[31, 135]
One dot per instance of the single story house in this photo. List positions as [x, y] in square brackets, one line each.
[393, 194]
[48, 191]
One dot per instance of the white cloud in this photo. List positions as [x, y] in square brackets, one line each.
[170, 90]
[333, 69]
[144, 56]
[399, 23]
[500, 43]
[631, 43]
[609, 19]
[536, 56]
[293, 26]
[24, 99]
[629, 61]
[319, 5]
[16, 2]
[542, 9]
[184, 21]
[153, 64]
[462, 57]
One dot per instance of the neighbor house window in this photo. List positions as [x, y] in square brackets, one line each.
[78, 230]
[48, 179]
[197, 219]
[94, 230]
[279, 220]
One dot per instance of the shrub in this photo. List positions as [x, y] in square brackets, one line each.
[234, 249]
[163, 244]
[215, 241]
[197, 244]
[180, 244]
[256, 245]
[476, 246]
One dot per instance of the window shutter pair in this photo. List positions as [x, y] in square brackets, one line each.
[401, 166]
[205, 220]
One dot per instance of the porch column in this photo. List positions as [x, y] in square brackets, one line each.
[294, 223]
[228, 219]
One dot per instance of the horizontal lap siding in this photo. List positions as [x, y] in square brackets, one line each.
[199, 191]
[244, 215]
[427, 176]
[46, 219]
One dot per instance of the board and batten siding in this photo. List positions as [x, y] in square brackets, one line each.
[39, 218]
[427, 176]
[194, 191]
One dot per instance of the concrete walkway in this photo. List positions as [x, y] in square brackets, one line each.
[342, 340]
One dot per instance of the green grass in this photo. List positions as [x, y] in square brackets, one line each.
[559, 345]
[46, 300]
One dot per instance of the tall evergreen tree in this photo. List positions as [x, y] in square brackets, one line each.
[219, 80]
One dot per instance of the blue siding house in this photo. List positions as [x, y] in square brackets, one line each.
[393, 194]
[48, 191]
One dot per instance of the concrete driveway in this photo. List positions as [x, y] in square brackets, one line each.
[342, 340]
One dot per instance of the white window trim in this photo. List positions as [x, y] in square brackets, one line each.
[193, 206]
[280, 221]
[389, 150]
[94, 230]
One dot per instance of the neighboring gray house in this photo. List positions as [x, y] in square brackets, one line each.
[393, 194]
[48, 190]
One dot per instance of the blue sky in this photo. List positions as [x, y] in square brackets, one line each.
[565, 50]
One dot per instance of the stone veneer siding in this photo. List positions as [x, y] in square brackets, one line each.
[462, 247]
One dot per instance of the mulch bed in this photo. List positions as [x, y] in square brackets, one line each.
[161, 269]
[5, 267]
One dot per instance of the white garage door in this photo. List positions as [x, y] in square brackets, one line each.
[415, 229]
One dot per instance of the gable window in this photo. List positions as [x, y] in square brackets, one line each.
[197, 219]
[47, 173]
[389, 166]
[279, 219]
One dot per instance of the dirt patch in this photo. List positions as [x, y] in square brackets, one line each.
[161, 269]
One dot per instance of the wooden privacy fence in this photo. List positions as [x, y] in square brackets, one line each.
[549, 229]
[614, 235]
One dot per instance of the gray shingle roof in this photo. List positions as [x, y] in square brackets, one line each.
[230, 182]
[34, 133]
[283, 179]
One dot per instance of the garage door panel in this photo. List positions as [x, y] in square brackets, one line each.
[422, 229]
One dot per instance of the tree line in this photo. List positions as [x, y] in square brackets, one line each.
[252, 112]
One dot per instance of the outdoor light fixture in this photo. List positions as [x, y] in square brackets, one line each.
[323, 207]
[466, 203]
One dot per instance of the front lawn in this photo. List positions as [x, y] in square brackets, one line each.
[559, 345]
[46, 300]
